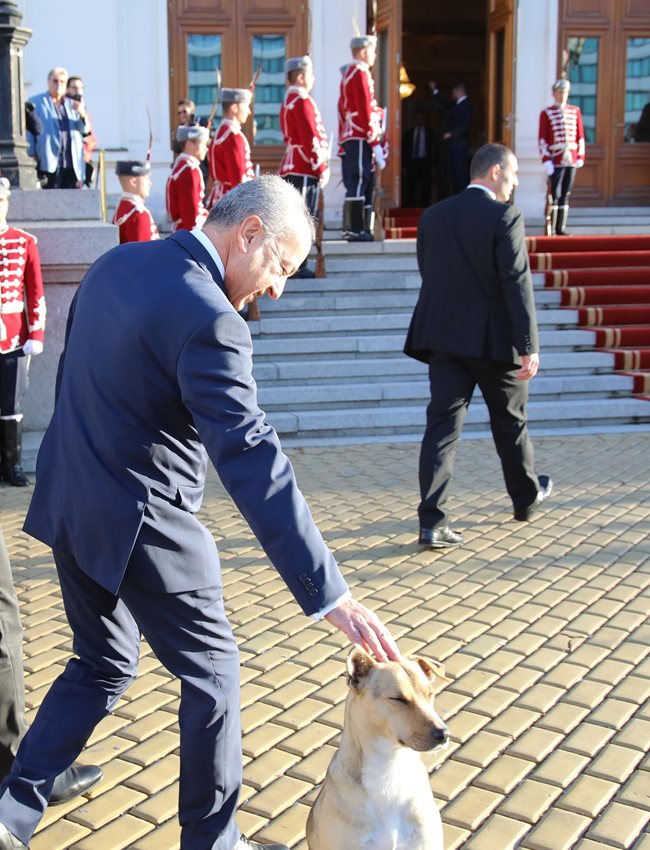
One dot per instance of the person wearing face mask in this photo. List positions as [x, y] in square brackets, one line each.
[59, 148]
[562, 149]
[475, 324]
[155, 380]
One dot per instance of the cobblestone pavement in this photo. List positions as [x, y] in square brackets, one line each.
[542, 625]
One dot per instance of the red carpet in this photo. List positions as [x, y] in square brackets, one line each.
[557, 244]
[402, 222]
[607, 278]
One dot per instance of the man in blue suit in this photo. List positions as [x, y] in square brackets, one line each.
[154, 380]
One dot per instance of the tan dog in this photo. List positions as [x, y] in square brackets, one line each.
[376, 794]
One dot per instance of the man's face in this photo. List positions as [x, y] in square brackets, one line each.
[243, 112]
[4, 209]
[197, 148]
[561, 96]
[457, 92]
[506, 179]
[142, 185]
[308, 78]
[56, 84]
[183, 114]
[370, 55]
[259, 264]
[75, 87]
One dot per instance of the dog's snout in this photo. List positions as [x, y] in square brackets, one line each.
[440, 736]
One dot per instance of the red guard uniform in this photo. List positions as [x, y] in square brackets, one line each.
[359, 115]
[22, 302]
[185, 191]
[229, 160]
[304, 135]
[561, 135]
[134, 220]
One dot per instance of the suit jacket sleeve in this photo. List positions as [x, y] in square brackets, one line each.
[513, 269]
[214, 374]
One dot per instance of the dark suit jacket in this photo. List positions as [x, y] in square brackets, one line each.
[157, 366]
[477, 295]
[407, 147]
[459, 117]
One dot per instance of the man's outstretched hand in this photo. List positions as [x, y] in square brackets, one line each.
[363, 627]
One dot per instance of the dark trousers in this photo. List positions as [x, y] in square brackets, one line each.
[191, 636]
[62, 178]
[356, 168]
[453, 380]
[308, 188]
[417, 184]
[13, 724]
[458, 154]
[13, 383]
[562, 181]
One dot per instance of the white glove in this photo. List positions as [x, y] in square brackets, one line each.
[325, 178]
[579, 163]
[32, 347]
[549, 168]
[380, 159]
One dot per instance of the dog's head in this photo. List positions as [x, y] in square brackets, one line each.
[397, 699]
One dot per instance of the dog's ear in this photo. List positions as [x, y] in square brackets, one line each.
[432, 669]
[359, 665]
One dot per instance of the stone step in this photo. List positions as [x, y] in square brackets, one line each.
[54, 205]
[386, 393]
[335, 344]
[409, 419]
[58, 242]
[284, 372]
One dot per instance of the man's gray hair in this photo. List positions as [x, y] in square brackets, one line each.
[270, 197]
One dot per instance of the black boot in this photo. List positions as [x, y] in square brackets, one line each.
[353, 221]
[369, 221]
[560, 225]
[11, 440]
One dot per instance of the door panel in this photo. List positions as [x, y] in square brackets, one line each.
[501, 30]
[386, 74]
[608, 43]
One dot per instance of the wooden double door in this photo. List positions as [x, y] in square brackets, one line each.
[607, 54]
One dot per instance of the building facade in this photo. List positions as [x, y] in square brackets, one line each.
[135, 56]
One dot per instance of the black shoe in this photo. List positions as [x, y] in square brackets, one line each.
[9, 841]
[74, 781]
[364, 236]
[15, 476]
[246, 844]
[440, 538]
[545, 490]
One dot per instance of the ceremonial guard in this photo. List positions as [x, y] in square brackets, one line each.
[229, 157]
[361, 138]
[185, 185]
[562, 148]
[306, 159]
[22, 330]
[134, 220]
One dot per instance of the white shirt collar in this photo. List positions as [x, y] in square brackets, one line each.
[461, 99]
[484, 188]
[210, 248]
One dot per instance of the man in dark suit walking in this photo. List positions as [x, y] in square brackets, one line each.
[154, 380]
[456, 136]
[475, 323]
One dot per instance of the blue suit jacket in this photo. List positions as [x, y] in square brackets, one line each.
[47, 145]
[157, 370]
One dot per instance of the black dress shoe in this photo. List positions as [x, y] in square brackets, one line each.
[74, 781]
[440, 538]
[545, 490]
[246, 844]
[9, 841]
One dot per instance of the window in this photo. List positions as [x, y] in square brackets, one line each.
[269, 55]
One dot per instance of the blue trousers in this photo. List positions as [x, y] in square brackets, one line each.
[191, 636]
[356, 168]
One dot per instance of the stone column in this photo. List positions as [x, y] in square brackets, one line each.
[15, 163]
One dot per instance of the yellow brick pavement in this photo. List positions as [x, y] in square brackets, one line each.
[543, 627]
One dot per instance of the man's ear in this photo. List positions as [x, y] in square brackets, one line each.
[250, 227]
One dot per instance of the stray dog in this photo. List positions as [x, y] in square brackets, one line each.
[376, 793]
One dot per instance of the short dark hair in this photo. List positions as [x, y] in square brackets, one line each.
[292, 76]
[73, 78]
[487, 157]
[186, 102]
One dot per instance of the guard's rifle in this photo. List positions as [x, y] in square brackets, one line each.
[378, 228]
[548, 214]
[215, 105]
[320, 207]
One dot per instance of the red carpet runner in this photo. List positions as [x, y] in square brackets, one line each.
[607, 279]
